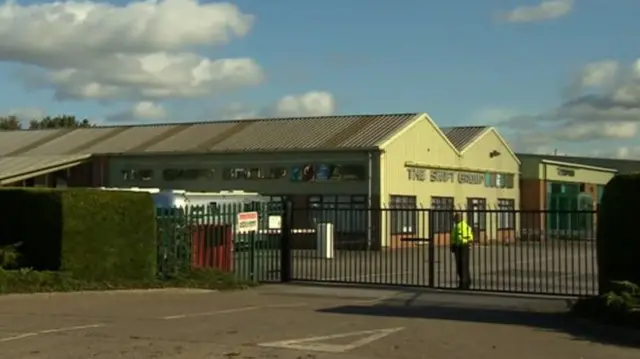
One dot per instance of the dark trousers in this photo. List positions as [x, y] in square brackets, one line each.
[461, 255]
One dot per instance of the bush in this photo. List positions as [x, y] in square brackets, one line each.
[9, 256]
[617, 307]
[617, 242]
[92, 234]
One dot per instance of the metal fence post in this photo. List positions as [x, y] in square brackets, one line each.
[432, 249]
[285, 248]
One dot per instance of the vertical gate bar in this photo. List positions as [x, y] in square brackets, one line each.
[285, 251]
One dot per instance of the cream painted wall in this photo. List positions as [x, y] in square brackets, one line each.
[533, 168]
[477, 157]
[581, 175]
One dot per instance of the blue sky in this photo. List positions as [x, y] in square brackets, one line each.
[457, 60]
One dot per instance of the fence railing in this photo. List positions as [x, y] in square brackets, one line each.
[208, 237]
[545, 252]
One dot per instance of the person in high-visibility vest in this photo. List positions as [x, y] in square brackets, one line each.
[461, 240]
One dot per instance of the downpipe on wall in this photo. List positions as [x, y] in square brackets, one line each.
[369, 199]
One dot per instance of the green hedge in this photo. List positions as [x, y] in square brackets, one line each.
[618, 244]
[93, 234]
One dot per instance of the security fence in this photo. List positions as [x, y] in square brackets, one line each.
[513, 250]
[209, 237]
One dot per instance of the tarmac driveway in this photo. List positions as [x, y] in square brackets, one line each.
[295, 321]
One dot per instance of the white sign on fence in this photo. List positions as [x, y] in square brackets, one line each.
[247, 222]
[275, 222]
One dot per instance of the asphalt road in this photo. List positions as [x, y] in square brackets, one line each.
[567, 268]
[292, 322]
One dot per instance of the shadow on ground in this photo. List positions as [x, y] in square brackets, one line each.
[557, 320]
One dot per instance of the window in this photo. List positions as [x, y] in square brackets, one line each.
[136, 175]
[404, 214]
[600, 189]
[442, 214]
[234, 173]
[254, 173]
[476, 213]
[506, 214]
[276, 172]
[186, 174]
[347, 213]
[311, 172]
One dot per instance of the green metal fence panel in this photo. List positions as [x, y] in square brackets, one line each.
[189, 237]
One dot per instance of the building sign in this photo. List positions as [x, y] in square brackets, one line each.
[417, 174]
[460, 177]
[488, 179]
[566, 172]
[247, 222]
[441, 176]
[471, 178]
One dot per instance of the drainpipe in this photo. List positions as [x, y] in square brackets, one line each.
[545, 204]
[369, 199]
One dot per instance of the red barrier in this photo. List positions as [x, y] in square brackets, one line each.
[212, 247]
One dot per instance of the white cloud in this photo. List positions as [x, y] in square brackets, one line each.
[493, 116]
[598, 74]
[141, 50]
[313, 103]
[238, 111]
[546, 10]
[144, 110]
[605, 107]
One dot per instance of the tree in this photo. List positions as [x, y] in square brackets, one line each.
[63, 121]
[10, 123]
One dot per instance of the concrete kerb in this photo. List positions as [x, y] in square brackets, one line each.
[114, 292]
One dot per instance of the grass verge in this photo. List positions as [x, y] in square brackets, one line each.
[30, 281]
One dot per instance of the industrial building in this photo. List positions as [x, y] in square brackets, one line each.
[555, 191]
[334, 168]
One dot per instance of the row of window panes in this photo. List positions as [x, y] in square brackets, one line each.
[348, 214]
[170, 174]
[405, 221]
[305, 173]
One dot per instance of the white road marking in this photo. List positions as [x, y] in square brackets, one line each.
[68, 329]
[291, 305]
[375, 300]
[312, 343]
[50, 331]
[205, 314]
[21, 336]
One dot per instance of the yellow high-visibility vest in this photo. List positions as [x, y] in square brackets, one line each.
[462, 233]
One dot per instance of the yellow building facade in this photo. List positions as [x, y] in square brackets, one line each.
[470, 169]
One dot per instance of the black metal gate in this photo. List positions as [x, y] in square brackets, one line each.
[511, 251]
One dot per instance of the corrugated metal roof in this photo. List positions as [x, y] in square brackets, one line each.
[128, 139]
[272, 134]
[462, 136]
[70, 142]
[309, 133]
[12, 141]
[189, 138]
[14, 166]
